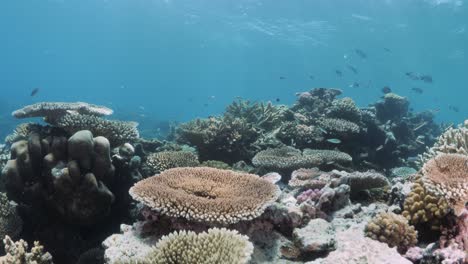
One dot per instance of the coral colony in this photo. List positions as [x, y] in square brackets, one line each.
[321, 181]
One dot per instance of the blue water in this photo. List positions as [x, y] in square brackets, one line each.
[153, 60]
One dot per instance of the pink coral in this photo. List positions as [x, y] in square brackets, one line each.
[309, 195]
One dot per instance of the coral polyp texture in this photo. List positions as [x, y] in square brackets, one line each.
[392, 229]
[17, 253]
[448, 174]
[51, 110]
[424, 206]
[206, 194]
[216, 246]
[454, 141]
[10, 222]
[161, 161]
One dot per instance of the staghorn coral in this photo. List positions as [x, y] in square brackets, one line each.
[10, 222]
[392, 229]
[339, 127]
[263, 115]
[453, 140]
[161, 161]
[423, 206]
[329, 156]
[117, 132]
[17, 253]
[448, 174]
[206, 194]
[284, 158]
[53, 110]
[346, 109]
[216, 246]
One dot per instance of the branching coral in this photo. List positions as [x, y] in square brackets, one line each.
[216, 246]
[161, 161]
[23, 131]
[422, 206]
[17, 253]
[206, 194]
[10, 222]
[285, 158]
[263, 115]
[345, 108]
[216, 164]
[448, 174]
[392, 229]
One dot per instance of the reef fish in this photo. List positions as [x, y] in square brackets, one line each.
[417, 90]
[361, 53]
[413, 76]
[334, 140]
[386, 90]
[456, 109]
[426, 78]
[352, 68]
[338, 73]
[34, 91]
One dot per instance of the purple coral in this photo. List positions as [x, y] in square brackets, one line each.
[309, 195]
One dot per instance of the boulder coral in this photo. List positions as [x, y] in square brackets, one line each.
[205, 194]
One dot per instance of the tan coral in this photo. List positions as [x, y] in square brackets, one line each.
[17, 252]
[392, 229]
[216, 246]
[57, 109]
[161, 161]
[206, 194]
[448, 174]
[422, 205]
[285, 158]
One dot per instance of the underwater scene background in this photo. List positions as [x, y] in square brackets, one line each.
[182, 131]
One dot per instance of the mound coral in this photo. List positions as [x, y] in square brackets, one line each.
[393, 107]
[206, 194]
[309, 179]
[216, 246]
[359, 181]
[422, 206]
[299, 135]
[17, 253]
[161, 161]
[284, 158]
[345, 108]
[392, 229]
[448, 174]
[10, 222]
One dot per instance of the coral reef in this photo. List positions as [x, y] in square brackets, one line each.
[216, 164]
[206, 194]
[10, 222]
[392, 229]
[52, 110]
[17, 253]
[285, 159]
[161, 161]
[214, 246]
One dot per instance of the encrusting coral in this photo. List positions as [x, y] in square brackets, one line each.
[216, 246]
[448, 174]
[392, 229]
[206, 194]
[161, 161]
[17, 253]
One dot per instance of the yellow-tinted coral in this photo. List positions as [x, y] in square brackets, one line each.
[206, 194]
[17, 253]
[392, 229]
[424, 206]
[161, 161]
[216, 246]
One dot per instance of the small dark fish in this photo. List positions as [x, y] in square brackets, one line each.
[354, 85]
[277, 100]
[386, 90]
[311, 77]
[456, 109]
[353, 69]
[413, 76]
[387, 49]
[34, 91]
[205, 105]
[361, 53]
[282, 77]
[334, 140]
[426, 78]
[417, 90]
[338, 73]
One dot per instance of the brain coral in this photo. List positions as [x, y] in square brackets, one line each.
[10, 223]
[161, 161]
[448, 173]
[284, 158]
[422, 205]
[392, 229]
[216, 246]
[206, 194]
